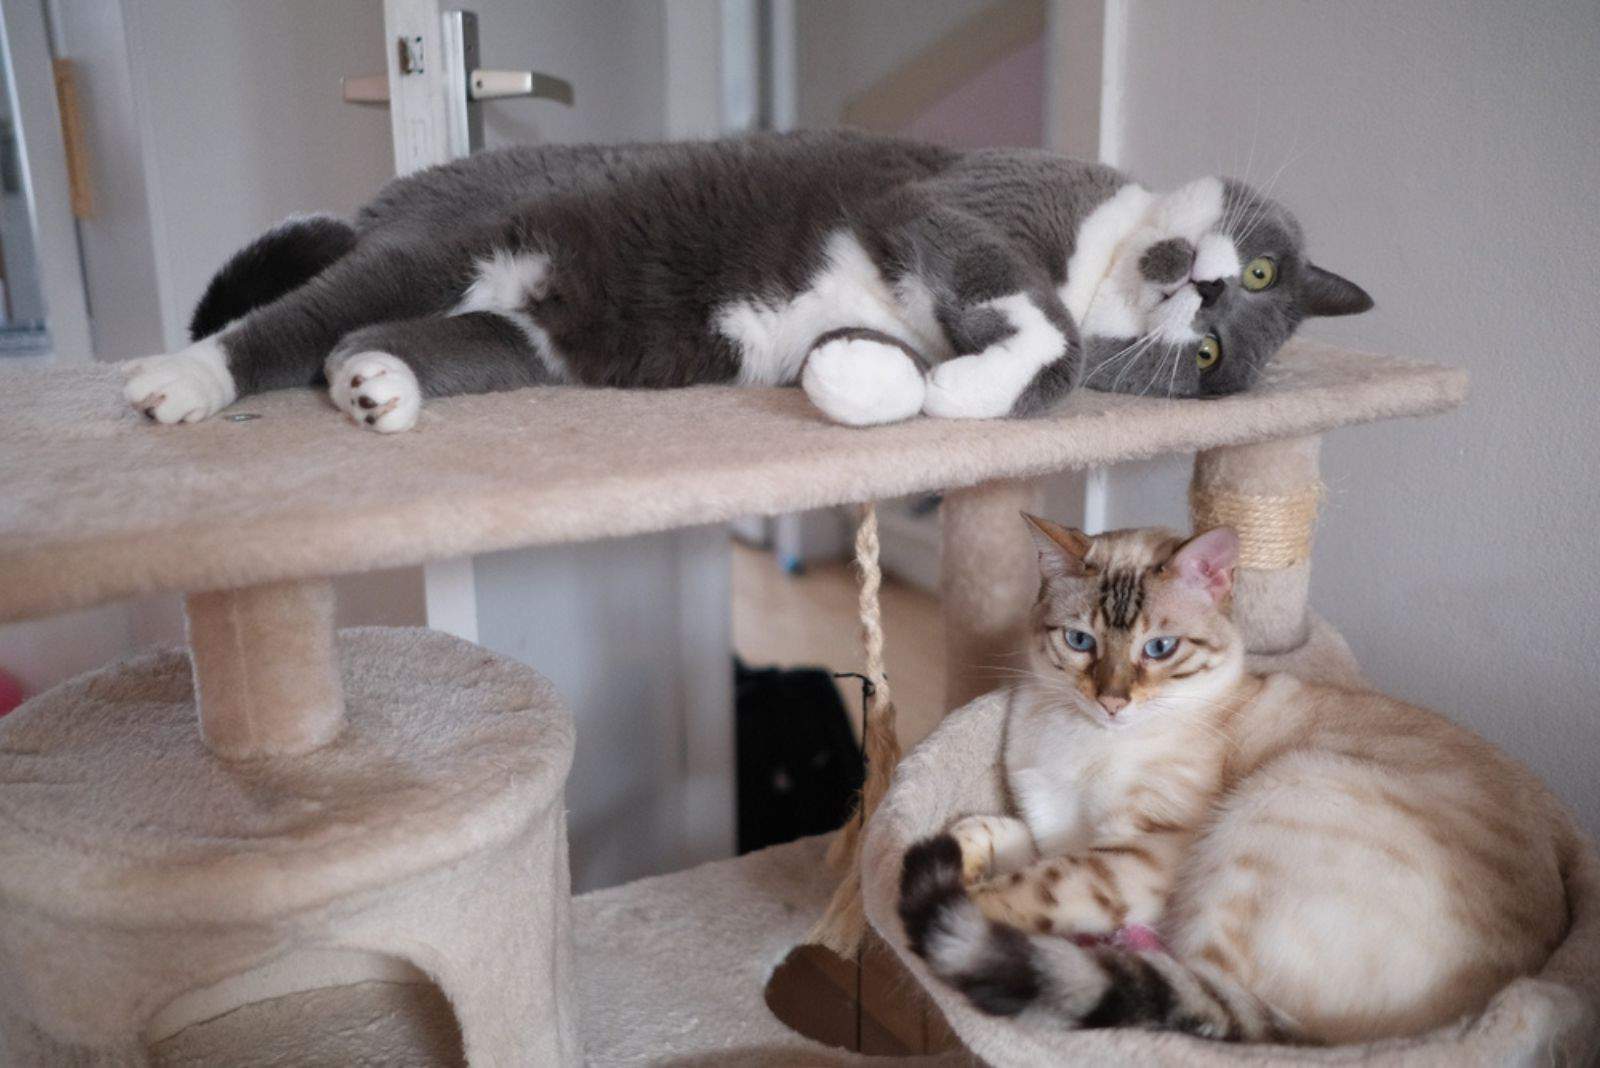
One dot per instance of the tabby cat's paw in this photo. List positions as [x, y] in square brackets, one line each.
[377, 390]
[181, 387]
[861, 382]
[991, 845]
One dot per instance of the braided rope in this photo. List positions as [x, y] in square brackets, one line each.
[1274, 529]
[843, 924]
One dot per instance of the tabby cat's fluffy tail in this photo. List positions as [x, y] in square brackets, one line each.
[1008, 972]
[282, 259]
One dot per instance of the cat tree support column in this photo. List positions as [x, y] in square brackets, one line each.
[989, 575]
[1268, 492]
[265, 675]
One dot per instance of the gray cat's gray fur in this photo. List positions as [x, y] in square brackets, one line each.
[646, 244]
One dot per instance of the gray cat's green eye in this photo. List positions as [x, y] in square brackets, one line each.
[1080, 640]
[1210, 352]
[1259, 274]
[1160, 648]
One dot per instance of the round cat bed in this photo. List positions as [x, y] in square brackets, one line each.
[147, 885]
[1552, 1018]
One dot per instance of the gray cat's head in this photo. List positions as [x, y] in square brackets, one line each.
[1208, 283]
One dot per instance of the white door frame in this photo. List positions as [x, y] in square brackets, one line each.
[44, 174]
[694, 774]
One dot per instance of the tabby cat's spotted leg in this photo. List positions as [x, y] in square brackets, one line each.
[863, 377]
[992, 845]
[1108, 886]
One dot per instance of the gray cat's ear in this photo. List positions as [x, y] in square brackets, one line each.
[1325, 293]
[1061, 549]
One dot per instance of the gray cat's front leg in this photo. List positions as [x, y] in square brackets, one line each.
[1031, 362]
[378, 375]
[862, 377]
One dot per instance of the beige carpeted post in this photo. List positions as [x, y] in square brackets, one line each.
[989, 576]
[265, 677]
[1269, 494]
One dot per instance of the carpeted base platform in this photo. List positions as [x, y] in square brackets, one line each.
[671, 970]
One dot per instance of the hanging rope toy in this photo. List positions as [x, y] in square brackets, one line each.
[843, 924]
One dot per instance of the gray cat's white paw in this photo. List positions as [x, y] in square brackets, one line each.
[377, 390]
[969, 387]
[181, 387]
[861, 382]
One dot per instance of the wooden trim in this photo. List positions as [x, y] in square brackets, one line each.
[951, 61]
[80, 190]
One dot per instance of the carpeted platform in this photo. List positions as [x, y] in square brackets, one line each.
[96, 503]
[672, 970]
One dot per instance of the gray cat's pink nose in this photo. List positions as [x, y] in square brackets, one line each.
[1112, 703]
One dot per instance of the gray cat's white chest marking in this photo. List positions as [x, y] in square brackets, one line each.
[773, 337]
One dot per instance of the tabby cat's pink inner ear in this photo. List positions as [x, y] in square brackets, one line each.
[1206, 562]
[1061, 549]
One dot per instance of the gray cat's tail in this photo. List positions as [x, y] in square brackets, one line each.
[1004, 971]
[282, 259]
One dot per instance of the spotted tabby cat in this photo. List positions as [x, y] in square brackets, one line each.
[887, 277]
[1323, 864]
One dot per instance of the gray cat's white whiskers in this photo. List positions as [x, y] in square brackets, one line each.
[1132, 359]
[1172, 379]
[1131, 350]
[1265, 192]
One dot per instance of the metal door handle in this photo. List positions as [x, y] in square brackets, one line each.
[373, 89]
[497, 84]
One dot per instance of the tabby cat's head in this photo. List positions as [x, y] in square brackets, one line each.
[1209, 282]
[1133, 626]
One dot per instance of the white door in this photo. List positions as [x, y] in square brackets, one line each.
[634, 633]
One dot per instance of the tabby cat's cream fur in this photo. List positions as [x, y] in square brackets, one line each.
[1322, 864]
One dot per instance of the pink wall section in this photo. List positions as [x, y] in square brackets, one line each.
[1002, 106]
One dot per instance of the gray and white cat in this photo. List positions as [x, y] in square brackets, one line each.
[887, 277]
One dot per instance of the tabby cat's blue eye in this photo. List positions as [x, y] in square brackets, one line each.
[1160, 648]
[1080, 640]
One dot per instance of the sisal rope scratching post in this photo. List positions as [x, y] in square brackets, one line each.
[1268, 493]
[1274, 528]
[843, 924]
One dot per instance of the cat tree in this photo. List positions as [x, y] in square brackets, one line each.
[281, 846]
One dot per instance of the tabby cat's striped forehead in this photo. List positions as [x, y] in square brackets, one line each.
[1120, 597]
[1118, 565]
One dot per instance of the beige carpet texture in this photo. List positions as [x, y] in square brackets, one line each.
[96, 503]
[146, 885]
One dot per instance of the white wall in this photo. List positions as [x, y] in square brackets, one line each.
[846, 46]
[1445, 156]
[241, 124]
